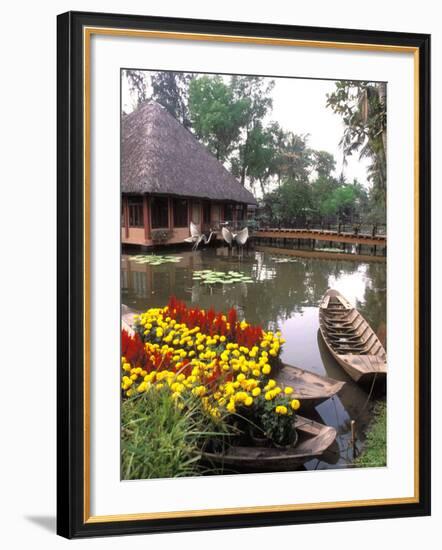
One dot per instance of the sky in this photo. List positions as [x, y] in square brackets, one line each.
[299, 105]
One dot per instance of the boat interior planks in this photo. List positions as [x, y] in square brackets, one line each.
[310, 388]
[350, 339]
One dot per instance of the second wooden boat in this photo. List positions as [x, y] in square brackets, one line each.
[314, 439]
[311, 389]
[350, 339]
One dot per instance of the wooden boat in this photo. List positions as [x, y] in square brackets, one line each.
[350, 339]
[313, 441]
[311, 389]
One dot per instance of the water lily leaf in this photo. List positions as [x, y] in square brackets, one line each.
[154, 259]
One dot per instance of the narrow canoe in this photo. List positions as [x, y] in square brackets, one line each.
[350, 339]
[313, 441]
[311, 389]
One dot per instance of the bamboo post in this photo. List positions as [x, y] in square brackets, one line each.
[353, 437]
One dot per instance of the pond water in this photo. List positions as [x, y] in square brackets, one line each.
[285, 294]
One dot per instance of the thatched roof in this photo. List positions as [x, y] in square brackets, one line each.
[159, 155]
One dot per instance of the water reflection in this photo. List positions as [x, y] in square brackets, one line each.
[284, 296]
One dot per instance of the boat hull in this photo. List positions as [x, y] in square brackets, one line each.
[309, 388]
[351, 340]
[314, 440]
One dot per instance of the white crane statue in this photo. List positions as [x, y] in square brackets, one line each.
[239, 238]
[196, 237]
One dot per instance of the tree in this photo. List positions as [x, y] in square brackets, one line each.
[324, 163]
[362, 107]
[322, 189]
[291, 200]
[259, 159]
[138, 85]
[295, 158]
[170, 89]
[256, 101]
[347, 201]
[215, 114]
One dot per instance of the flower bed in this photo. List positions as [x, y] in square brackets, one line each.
[227, 363]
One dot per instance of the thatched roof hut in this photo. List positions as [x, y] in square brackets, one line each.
[160, 156]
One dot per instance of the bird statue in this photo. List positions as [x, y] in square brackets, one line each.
[196, 237]
[239, 238]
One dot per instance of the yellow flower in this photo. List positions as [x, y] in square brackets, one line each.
[248, 401]
[288, 390]
[266, 369]
[241, 396]
[256, 392]
[280, 409]
[295, 404]
[231, 406]
[199, 391]
[142, 387]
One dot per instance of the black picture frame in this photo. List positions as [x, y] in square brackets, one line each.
[71, 498]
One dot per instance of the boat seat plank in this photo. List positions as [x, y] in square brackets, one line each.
[350, 338]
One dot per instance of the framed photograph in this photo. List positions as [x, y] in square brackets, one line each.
[226, 192]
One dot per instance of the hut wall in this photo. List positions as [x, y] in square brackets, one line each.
[137, 236]
[142, 235]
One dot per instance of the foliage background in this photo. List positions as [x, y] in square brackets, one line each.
[234, 117]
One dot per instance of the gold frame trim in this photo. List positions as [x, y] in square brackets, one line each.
[87, 33]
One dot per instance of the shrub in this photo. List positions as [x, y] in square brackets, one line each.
[163, 439]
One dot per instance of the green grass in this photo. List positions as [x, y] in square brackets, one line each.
[375, 447]
[158, 440]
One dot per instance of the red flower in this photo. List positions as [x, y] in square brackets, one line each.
[132, 348]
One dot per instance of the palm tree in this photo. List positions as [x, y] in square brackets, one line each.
[363, 109]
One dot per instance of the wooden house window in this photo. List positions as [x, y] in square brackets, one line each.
[180, 213]
[159, 209]
[196, 212]
[228, 212]
[216, 214]
[136, 212]
[206, 212]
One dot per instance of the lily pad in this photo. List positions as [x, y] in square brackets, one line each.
[208, 277]
[153, 259]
